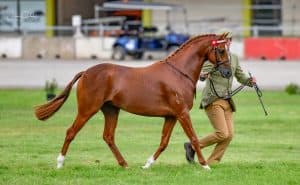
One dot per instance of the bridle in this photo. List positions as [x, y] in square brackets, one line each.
[214, 43]
[216, 68]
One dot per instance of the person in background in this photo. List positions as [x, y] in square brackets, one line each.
[218, 105]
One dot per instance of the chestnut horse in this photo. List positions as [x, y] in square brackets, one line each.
[164, 89]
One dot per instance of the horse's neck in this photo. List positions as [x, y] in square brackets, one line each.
[191, 63]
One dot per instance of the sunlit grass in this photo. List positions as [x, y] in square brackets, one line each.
[265, 150]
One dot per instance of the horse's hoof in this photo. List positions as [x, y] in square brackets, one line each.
[123, 164]
[60, 161]
[145, 167]
[149, 162]
[206, 167]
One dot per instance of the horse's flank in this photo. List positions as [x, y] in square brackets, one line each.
[147, 91]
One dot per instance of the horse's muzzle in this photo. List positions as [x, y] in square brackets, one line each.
[226, 73]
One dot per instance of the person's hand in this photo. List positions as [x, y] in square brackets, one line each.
[203, 76]
[252, 80]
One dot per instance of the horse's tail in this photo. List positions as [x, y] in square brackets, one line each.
[46, 110]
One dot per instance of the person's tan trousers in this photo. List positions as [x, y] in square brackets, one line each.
[221, 117]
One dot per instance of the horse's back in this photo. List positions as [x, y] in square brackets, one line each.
[123, 72]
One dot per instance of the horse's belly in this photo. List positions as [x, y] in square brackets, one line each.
[147, 112]
[144, 105]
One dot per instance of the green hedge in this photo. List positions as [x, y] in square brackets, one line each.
[292, 88]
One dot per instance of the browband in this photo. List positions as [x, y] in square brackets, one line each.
[216, 42]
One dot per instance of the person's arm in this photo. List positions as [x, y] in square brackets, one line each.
[241, 76]
[206, 69]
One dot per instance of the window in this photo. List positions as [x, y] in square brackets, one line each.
[17, 15]
[266, 15]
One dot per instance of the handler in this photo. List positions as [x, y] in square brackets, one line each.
[218, 105]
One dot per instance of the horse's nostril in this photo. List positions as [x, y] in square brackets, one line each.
[228, 74]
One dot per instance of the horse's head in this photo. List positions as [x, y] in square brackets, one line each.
[218, 55]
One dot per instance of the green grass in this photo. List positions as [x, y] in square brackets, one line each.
[265, 150]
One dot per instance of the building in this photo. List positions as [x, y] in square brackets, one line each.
[249, 17]
[249, 20]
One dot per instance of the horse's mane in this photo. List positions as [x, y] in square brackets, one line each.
[186, 44]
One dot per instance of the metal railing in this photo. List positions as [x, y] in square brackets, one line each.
[99, 27]
[238, 31]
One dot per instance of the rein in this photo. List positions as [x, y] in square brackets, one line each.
[229, 93]
[184, 74]
[212, 86]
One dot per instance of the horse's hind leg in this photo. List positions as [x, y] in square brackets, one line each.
[87, 107]
[71, 133]
[111, 114]
[165, 137]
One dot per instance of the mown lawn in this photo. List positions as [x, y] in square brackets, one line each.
[265, 150]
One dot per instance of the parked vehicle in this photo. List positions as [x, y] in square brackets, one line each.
[136, 39]
[136, 43]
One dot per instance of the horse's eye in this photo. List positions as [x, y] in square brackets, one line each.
[222, 51]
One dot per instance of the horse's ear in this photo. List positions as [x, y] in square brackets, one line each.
[224, 35]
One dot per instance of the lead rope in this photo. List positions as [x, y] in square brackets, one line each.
[229, 93]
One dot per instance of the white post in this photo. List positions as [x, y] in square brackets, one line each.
[76, 23]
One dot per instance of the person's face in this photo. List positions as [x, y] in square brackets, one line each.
[228, 43]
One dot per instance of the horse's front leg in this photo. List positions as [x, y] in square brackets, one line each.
[185, 121]
[165, 137]
[111, 114]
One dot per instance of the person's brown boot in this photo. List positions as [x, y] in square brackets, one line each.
[189, 152]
